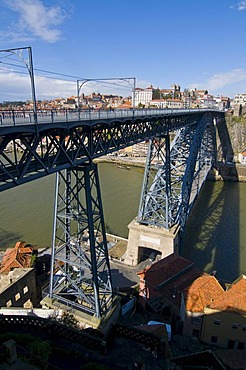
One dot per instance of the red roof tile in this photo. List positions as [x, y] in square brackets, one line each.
[234, 298]
[202, 292]
[19, 256]
[169, 277]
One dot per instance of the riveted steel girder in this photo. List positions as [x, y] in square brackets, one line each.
[175, 172]
[27, 154]
[80, 274]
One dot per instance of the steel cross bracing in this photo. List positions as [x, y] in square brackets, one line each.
[80, 273]
[27, 154]
[175, 172]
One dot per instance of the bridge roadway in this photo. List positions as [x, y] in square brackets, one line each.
[58, 139]
[14, 117]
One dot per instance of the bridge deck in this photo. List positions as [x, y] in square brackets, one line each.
[51, 141]
[15, 117]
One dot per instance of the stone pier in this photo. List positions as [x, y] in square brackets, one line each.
[142, 237]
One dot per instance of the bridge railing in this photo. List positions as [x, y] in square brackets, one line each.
[23, 117]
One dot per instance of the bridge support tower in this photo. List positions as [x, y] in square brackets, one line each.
[80, 271]
[174, 174]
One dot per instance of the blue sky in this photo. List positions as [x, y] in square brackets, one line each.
[194, 43]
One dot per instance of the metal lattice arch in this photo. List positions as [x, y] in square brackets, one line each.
[175, 172]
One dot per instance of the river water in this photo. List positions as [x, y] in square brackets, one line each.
[215, 236]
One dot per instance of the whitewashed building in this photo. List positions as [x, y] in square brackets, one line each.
[207, 101]
[143, 97]
[158, 103]
[240, 99]
[174, 103]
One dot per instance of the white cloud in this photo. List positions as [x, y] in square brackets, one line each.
[229, 83]
[227, 78]
[36, 20]
[143, 84]
[241, 5]
[18, 87]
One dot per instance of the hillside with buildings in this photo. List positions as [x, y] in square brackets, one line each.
[148, 97]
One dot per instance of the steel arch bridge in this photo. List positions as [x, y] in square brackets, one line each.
[66, 143]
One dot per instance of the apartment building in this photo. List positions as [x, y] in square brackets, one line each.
[239, 99]
[224, 320]
[210, 312]
[18, 288]
[143, 97]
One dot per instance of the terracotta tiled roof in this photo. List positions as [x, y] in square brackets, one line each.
[125, 105]
[19, 256]
[9, 261]
[170, 276]
[165, 269]
[174, 99]
[201, 293]
[173, 290]
[234, 298]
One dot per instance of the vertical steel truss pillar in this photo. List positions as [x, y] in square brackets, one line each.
[80, 271]
[175, 173]
[154, 203]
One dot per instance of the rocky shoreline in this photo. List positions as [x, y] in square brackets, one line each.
[122, 161]
[224, 172]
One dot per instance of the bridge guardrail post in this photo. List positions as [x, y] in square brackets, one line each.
[13, 116]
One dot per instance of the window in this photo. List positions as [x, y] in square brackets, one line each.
[196, 320]
[230, 344]
[9, 303]
[25, 289]
[214, 339]
[17, 296]
[195, 333]
[217, 322]
[235, 326]
[240, 345]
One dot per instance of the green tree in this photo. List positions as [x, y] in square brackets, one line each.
[68, 319]
[157, 94]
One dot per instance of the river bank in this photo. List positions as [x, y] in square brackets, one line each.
[122, 161]
[224, 172]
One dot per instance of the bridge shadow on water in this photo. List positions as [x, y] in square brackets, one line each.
[212, 235]
[7, 238]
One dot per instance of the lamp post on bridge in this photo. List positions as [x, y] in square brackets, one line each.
[29, 65]
[81, 83]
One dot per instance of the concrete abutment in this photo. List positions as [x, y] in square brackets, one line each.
[159, 239]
